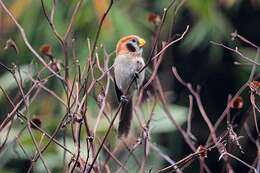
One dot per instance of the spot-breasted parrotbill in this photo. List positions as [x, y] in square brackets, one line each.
[127, 66]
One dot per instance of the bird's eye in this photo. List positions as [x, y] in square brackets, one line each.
[134, 40]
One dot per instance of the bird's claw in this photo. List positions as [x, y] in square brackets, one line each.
[123, 99]
[136, 75]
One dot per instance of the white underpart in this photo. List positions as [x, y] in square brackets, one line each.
[125, 68]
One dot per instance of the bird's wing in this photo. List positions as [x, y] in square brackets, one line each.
[119, 93]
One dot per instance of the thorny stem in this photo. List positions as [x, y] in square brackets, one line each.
[236, 158]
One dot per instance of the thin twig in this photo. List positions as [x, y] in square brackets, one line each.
[236, 158]
[104, 139]
[236, 50]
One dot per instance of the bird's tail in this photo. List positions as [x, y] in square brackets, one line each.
[125, 119]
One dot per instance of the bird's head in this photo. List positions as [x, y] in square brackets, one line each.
[130, 44]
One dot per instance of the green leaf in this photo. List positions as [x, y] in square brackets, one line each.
[7, 81]
[160, 121]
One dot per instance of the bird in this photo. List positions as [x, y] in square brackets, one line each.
[127, 77]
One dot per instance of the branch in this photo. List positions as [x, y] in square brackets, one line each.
[236, 50]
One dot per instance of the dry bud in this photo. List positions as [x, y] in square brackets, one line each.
[237, 103]
[255, 87]
[46, 49]
[202, 152]
[154, 18]
[35, 122]
[55, 66]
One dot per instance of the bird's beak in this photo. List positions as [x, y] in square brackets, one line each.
[141, 42]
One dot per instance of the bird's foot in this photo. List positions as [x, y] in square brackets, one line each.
[123, 99]
[136, 75]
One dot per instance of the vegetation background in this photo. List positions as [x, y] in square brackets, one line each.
[218, 71]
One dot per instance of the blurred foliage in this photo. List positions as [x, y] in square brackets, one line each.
[210, 20]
